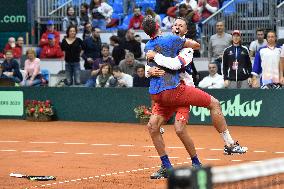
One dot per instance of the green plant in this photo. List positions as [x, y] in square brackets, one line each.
[142, 112]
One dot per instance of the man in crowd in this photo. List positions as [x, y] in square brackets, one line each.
[49, 29]
[213, 80]
[258, 43]
[52, 50]
[128, 64]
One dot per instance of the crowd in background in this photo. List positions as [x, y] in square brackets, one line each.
[120, 62]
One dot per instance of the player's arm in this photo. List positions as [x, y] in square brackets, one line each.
[189, 43]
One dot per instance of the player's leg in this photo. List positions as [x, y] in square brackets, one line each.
[182, 115]
[158, 117]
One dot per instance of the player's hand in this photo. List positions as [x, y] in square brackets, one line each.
[249, 81]
[151, 54]
[155, 71]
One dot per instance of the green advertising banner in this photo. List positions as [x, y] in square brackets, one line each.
[11, 103]
[13, 16]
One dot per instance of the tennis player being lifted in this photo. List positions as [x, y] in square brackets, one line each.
[169, 93]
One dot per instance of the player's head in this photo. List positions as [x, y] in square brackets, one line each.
[150, 26]
[180, 27]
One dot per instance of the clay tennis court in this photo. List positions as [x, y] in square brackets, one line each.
[111, 155]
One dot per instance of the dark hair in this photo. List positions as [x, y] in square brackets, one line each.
[85, 5]
[183, 6]
[149, 25]
[259, 30]
[104, 65]
[116, 69]
[69, 7]
[183, 19]
[139, 66]
[114, 38]
[149, 11]
[104, 45]
[92, 4]
[271, 31]
[69, 28]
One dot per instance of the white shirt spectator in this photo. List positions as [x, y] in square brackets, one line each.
[191, 3]
[125, 80]
[168, 22]
[212, 82]
[255, 45]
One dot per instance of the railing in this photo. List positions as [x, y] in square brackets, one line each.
[244, 15]
[280, 20]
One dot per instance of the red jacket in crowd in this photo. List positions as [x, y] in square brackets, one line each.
[44, 38]
[51, 52]
[205, 12]
[136, 22]
[17, 51]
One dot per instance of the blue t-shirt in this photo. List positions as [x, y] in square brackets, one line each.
[168, 46]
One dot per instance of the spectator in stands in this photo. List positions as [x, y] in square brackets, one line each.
[139, 79]
[258, 43]
[10, 68]
[20, 43]
[189, 3]
[71, 19]
[104, 76]
[128, 6]
[266, 63]
[11, 45]
[207, 7]
[87, 30]
[32, 69]
[217, 43]
[92, 48]
[98, 63]
[84, 15]
[213, 80]
[168, 22]
[139, 39]
[137, 19]
[129, 43]
[49, 30]
[163, 5]
[236, 64]
[52, 50]
[128, 64]
[149, 11]
[122, 79]
[101, 13]
[72, 46]
[118, 52]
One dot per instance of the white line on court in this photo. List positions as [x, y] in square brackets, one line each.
[43, 142]
[173, 157]
[259, 151]
[175, 147]
[216, 149]
[111, 154]
[8, 150]
[60, 152]
[236, 160]
[153, 156]
[84, 153]
[279, 152]
[199, 148]
[101, 144]
[9, 141]
[74, 143]
[211, 159]
[130, 155]
[148, 146]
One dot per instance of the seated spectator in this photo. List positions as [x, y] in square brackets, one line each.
[266, 63]
[137, 19]
[118, 52]
[71, 19]
[128, 64]
[84, 15]
[122, 79]
[157, 17]
[168, 22]
[49, 29]
[258, 43]
[10, 68]
[92, 48]
[104, 76]
[237, 64]
[105, 59]
[11, 45]
[139, 39]
[20, 43]
[213, 80]
[101, 13]
[129, 43]
[87, 32]
[32, 70]
[52, 50]
[207, 7]
[139, 79]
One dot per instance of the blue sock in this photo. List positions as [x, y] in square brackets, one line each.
[195, 160]
[166, 162]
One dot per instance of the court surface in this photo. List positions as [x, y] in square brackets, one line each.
[85, 155]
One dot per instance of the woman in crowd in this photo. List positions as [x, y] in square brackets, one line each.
[157, 17]
[32, 69]
[104, 76]
[70, 19]
[72, 46]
